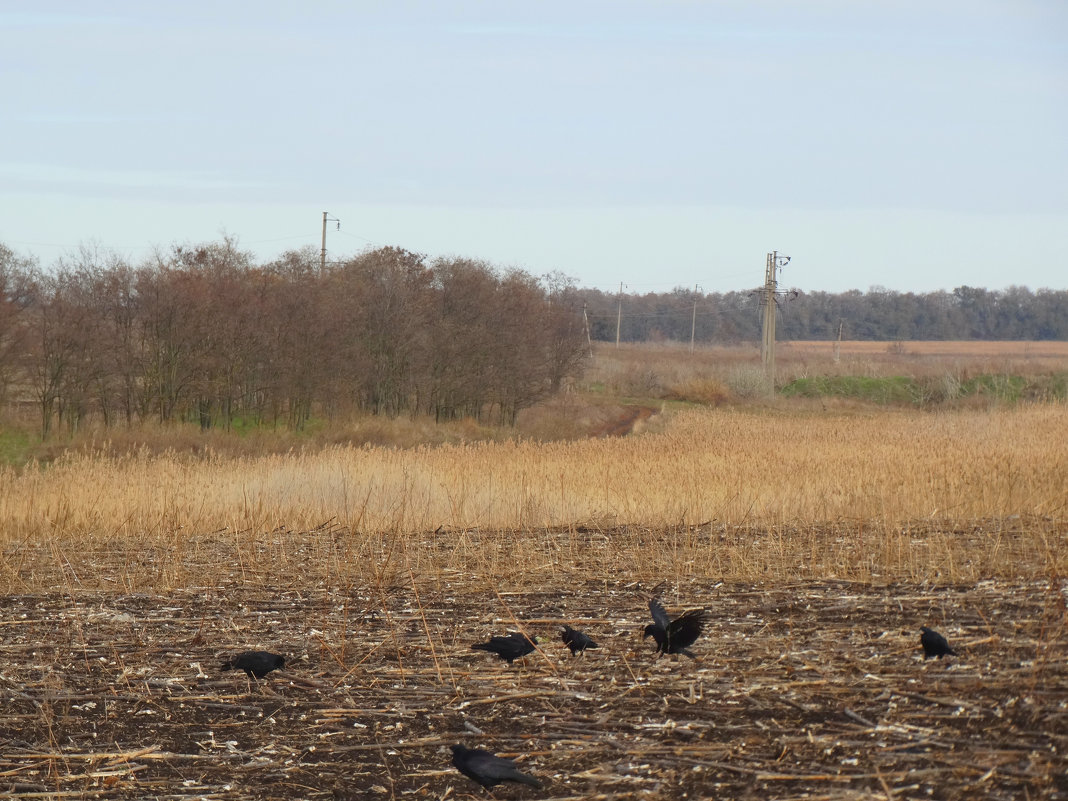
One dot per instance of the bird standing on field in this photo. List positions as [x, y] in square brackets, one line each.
[509, 647]
[576, 640]
[674, 636]
[488, 769]
[256, 664]
[934, 644]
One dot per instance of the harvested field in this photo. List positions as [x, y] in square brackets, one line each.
[809, 689]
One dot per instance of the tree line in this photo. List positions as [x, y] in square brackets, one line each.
[205, 334]
[1015, 313]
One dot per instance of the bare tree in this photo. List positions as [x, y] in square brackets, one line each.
[17, 294]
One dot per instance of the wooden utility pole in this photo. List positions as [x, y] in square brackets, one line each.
[693, 321]
[322, 254]
[767, 344]
[775, 263]
[619, 313]
[586, 322]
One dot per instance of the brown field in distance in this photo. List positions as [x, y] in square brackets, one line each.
[656, 370]
[945, 348]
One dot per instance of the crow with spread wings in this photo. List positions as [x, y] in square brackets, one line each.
[674, 636]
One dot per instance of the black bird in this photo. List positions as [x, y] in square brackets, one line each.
[576, 640]
[674, 636]
[934, 644]
[510, 647]
[488, 769]
[255, 663]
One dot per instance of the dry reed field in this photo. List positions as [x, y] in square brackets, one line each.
[887, 469]
[819, 542]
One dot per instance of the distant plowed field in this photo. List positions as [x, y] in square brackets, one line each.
[812, 690]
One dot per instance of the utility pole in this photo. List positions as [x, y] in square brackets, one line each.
[693, 322]
[838, 343]
[769, 300]
[619, 313]
[322, 255]
[586, 322]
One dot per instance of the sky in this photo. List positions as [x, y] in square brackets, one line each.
[912, 145]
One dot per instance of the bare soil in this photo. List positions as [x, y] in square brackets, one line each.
[816, 690]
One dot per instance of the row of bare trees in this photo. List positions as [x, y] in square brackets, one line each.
[205, 334]
[879, 314]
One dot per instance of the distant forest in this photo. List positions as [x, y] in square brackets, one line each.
[878, 314]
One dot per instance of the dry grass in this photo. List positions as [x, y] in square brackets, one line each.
[666, 370]
[1017, 351]
[810, 483]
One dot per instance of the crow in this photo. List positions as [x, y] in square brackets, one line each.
[934, 644]
[488, 769]
[576, 640]
[674, 636]
[509, 647]
[255, 663]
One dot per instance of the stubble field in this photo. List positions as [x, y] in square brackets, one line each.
[819, 543]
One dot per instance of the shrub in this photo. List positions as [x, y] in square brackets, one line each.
[707, 391]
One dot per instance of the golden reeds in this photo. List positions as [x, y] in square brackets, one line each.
[730, 466]
[731, 469]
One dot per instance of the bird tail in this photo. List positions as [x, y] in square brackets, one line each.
[227, 665]
[526, 779]
[482, 646]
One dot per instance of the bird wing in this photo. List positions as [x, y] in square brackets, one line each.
[523, 643]
[933, 639]
[686, 628]
[574, 638]
[659, 613]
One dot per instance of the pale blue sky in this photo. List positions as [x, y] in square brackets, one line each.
[911, 145]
